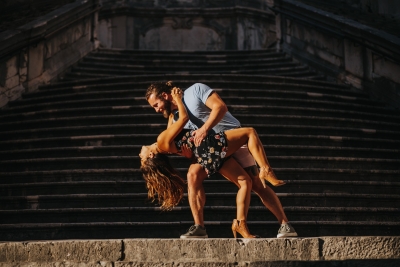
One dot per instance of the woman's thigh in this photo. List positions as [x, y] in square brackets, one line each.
[232, 171]
[236, 138]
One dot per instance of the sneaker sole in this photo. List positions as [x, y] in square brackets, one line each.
[287, 235]
[189, 237]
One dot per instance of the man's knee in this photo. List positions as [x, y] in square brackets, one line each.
[195, 177]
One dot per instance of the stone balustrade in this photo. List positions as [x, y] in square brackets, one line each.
[187, 25]
[350, 52]
[39, 51]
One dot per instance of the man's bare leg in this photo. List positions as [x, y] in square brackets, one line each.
[196, 196]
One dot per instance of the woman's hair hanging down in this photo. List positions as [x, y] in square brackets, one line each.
[163, 182]
[159, 87]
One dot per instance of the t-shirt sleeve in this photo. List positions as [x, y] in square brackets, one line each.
[202, 92]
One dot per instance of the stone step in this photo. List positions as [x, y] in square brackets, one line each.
[129, 98]
[228, 252]
[124, 175]
[131, 150]
[213, 80]
[98, 200]
[124, 139]
[121, 124]
[173, 229]
[269, 89]
[189, 63]
[85, 71]
[123, 53]
[122, 108]
[182, 213]
[216, 184]
[119, 53]
[64, 163]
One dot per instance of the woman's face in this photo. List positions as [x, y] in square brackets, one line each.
[147, 152]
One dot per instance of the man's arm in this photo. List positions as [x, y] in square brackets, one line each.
[218, 109]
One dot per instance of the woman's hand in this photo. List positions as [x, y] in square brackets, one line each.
[176, 94]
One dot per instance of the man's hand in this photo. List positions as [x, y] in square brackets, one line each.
[186, 152]
[199, 135]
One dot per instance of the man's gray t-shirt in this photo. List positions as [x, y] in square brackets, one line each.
[194, 99]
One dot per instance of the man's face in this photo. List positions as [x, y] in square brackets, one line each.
[160, 105]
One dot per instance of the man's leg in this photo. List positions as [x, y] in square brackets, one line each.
[197, 199]
[196, 196]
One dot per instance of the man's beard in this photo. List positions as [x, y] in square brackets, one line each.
[167, 109]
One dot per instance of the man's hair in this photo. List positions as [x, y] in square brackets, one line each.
[158, 88]
[163, 182]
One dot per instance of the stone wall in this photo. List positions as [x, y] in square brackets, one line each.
[186, 25]
[378, 7]
[352, 53]
[337, 251]
[39, 51]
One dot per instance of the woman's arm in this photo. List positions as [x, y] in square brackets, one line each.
[165, 140]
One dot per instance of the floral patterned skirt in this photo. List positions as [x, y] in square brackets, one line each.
[211, 152]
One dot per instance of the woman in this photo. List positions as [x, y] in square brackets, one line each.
[164, 183]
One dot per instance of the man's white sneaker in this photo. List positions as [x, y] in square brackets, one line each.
[286, 230]
[195, 231]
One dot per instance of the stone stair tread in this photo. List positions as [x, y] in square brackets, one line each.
[319, 112]
[179, 157]
[67, 99]
[178, 62]
[208, 194]
[207, 182]
[375, 125]
[145, 79]
[116, 136]
[135, 149]
[143, 85]
[113, 51]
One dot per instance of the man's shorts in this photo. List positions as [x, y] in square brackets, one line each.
[243, 157]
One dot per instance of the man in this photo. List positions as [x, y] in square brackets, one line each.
[208, 112]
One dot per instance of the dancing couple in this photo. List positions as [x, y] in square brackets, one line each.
[200, 125]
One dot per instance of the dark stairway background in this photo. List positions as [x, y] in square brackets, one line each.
[69, 152]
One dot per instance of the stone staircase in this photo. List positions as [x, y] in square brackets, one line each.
[69, 164]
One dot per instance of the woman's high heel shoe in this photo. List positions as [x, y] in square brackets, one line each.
[266, 173]
[240, 226]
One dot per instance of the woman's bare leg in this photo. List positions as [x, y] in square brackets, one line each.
[238, 137]
[232, 171]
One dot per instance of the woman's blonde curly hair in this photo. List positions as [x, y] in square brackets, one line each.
[163, 182]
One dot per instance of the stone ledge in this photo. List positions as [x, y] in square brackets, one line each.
[202, 252]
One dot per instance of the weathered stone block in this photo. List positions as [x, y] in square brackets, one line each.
[3, 100]
[58, 264]
[315, 38]
[119, 32]
[75, 251]
[15, 92]
[220, 250]
[351, 248]
[353, 55]
[386, 68]
[13, 252]
[8, 69]
[35, 63]
[12, 81]
[105, 33]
